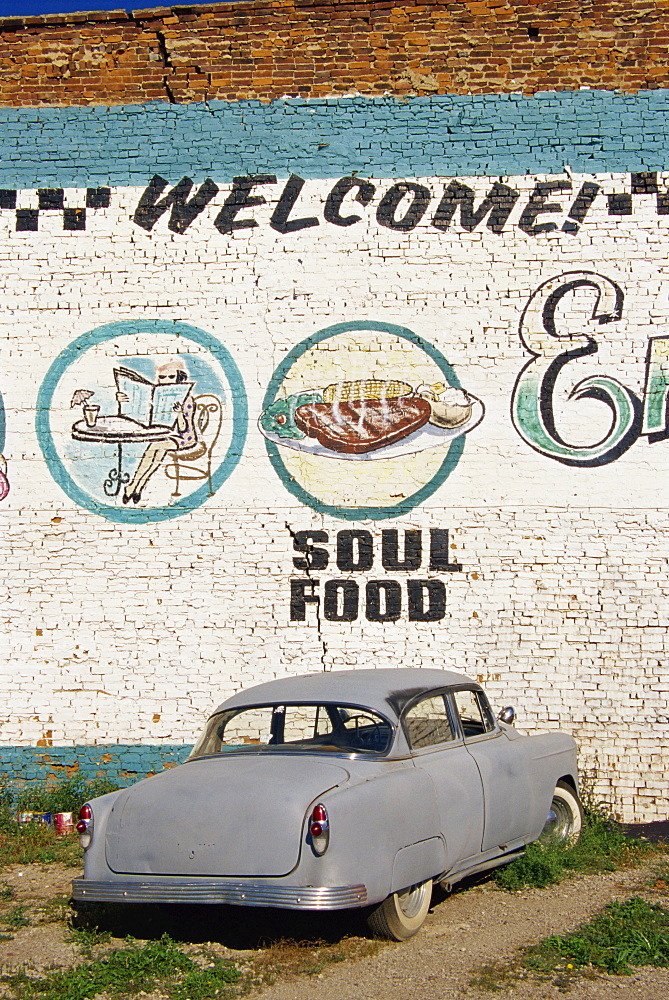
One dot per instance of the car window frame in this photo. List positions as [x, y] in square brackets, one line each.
[285, 748]
[452, 718]
[492, 733]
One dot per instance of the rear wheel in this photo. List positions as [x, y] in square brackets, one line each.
[565, 817]
[402, 914]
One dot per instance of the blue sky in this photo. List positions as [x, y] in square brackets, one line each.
[24, 8]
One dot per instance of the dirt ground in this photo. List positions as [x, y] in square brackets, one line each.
[474, 926]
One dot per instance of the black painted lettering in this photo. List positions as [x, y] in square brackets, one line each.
[341, 600]
[439, 553]
[619, 204]
[240, 197]
[355, 551]
[538, 205]
[435, 592]
[333, 204]
[581, 206]
[183, 211]
[280, 217]
[386, 213]
[302, 592]
[413, 550]
[315, 558]
[497, 204]
[383, 599]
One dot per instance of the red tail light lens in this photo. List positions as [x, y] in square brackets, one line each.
[85, 826]
[319, 829]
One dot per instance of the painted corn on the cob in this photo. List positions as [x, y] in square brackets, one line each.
[368, 388]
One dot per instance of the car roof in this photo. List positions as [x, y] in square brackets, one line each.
[386, 689]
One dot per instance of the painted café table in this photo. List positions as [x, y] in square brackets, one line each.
[119, 431]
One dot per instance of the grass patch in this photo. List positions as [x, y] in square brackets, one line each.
[15, 918]
[603, 847]
[495, 977]
[624, 935]
[66, 796]
[37, 842]
[296, 958]
[127, 971]
[660, 878]
[163, 965]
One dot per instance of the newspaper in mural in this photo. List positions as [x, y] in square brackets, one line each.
[135, 427]
[361, 419]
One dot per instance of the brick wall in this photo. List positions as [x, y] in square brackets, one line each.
[269, 50]
[471, 196]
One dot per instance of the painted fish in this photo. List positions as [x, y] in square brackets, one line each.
[279, 418]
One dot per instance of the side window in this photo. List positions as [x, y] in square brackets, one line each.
[474, 712]
[427, 723]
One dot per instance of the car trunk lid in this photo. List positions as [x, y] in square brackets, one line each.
[225, 815]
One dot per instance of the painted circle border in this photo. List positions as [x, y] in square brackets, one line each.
[361, 513]
[121, 328]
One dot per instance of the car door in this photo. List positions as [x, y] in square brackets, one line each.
[508, 790]
[438, 750]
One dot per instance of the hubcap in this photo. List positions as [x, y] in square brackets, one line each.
[560, 823]
[411, 899]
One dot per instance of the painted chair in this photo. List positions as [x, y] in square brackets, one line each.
[196, 463]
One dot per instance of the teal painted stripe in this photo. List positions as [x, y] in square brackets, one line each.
[121, 763]
[423, 136]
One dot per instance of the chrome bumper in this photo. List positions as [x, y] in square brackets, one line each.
[167, 889]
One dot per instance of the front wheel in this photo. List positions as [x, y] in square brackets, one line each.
[565, 817]
[402, 914]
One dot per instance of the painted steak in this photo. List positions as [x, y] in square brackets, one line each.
[364, 424]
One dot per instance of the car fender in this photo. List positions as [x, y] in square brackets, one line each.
[95, 863]
[412, 863]
[371, 824]
[553, 758]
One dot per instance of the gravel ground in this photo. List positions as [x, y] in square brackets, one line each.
[463, 932]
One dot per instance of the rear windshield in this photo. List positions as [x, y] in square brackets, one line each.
[278, 728]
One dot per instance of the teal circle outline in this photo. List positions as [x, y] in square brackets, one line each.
[361, 513]
[122, 328]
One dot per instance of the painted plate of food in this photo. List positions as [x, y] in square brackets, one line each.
[370, 419]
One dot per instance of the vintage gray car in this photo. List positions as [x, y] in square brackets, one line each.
[349, 789]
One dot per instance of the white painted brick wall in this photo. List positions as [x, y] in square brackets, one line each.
[561, 608]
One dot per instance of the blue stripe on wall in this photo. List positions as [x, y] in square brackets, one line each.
[590, 131]
[120, 763]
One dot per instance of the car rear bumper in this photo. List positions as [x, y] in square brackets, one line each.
[168, 889]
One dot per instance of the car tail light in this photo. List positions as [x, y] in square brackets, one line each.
[319, 829]
[85, 826]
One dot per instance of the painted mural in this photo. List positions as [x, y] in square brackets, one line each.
[339, 383]
[146, 431]
[4, 481]
[366, 420]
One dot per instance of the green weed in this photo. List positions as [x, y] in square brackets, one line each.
[16, 918]
[624, 935]
[603, 847]
[127, 971]
[36, 842]
[66, 796]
